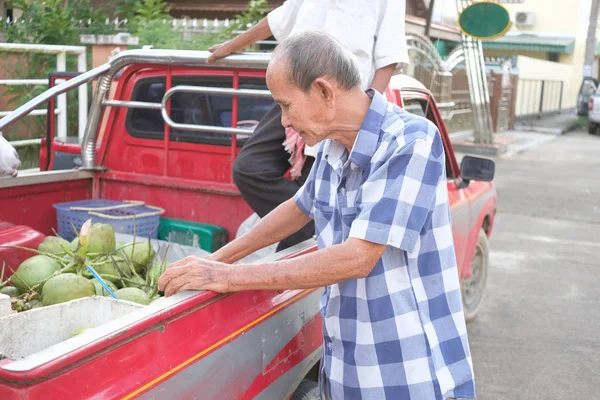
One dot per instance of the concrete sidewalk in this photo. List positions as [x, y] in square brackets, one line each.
[527, 134]
[509, 143]
[558, 124]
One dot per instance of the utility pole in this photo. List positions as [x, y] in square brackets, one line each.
[429, 15]
[478, 85]
[590, 44]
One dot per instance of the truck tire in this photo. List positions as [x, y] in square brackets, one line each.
[592, 128]
[307, 390]
[472, 288]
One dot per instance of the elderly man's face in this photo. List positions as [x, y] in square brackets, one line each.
[310, 114]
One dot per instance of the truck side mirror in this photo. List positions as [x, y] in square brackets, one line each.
[476, 169]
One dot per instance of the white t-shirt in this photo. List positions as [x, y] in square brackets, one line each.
[374, 30]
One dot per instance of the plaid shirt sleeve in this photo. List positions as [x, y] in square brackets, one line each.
[397, 198]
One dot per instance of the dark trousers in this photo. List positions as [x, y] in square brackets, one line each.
[259, 168]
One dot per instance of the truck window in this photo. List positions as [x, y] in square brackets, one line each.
[419, 107]
[193, 108]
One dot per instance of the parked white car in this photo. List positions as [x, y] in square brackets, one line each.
[594, 112]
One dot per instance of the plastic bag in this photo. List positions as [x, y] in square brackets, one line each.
[262, 253]
[168, 251]
[9, 158]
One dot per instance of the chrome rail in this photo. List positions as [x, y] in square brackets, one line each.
[107, 72]
[156, 57]
[213, 91]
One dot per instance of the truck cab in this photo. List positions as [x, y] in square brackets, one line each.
[164, 128]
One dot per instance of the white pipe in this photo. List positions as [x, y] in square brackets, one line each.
[83, 96]
[27, 142]
[41, 48]
[61, 66]
[15, 82]
[34, 112]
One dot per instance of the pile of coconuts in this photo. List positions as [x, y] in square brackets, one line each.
[58, 273]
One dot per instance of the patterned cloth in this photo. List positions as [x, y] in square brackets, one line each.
[294, 144]
[400, 332]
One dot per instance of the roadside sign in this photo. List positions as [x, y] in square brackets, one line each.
[484, 20]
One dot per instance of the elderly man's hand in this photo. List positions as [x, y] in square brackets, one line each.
[194, 273]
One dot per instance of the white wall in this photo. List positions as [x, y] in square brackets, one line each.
[528, 92]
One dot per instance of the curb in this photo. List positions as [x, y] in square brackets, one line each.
[553, 131]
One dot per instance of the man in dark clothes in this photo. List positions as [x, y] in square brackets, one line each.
[373, 30]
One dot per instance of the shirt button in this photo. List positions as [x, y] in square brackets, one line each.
[329, 345]
[342, 191]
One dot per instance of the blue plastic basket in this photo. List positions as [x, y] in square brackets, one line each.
[123, 216]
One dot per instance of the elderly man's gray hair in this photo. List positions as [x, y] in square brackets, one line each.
[314, 54]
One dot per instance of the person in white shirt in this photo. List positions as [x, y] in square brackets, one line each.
[374, 30]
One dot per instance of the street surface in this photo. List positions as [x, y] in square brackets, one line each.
[537, 334]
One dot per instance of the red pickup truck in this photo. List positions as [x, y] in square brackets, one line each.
[164, 128]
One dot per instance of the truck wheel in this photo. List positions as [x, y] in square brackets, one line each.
[307, 390]
[592, 128]
[472, 288]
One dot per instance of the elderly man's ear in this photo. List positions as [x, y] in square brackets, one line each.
[324, 90]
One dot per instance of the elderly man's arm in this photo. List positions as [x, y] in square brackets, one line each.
[274, 227]
[352, 259]
[355, 258]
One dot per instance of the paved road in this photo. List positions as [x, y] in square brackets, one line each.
[537, 335]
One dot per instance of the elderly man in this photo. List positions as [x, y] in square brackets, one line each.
[393, 322]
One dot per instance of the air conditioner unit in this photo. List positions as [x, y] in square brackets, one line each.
[525, 18]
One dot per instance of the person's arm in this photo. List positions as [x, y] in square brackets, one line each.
[286, 219]
[277, 23]
[260, 31]
[274, 227]
[382, 77]
[390, 46]
[352, 259]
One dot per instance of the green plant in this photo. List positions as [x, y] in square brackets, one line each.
[151, 10]
[257, 9]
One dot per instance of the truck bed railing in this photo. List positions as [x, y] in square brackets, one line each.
[162, 106]
[213, 91]
[107, 74]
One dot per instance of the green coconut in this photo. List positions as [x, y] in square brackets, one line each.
[100, 290]
[54, 245]
[10, 291]
[136, 281]
[66, 287]
[101, 239]
[140, 254]
[133, 294]
[109, 268]
[156, 270]
[33, 271]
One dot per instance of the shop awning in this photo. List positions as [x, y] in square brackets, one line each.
[532, 42]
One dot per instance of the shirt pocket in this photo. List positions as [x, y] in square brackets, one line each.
[324, 216]
[348, 216]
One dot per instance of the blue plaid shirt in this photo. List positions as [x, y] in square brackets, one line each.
[399, 333]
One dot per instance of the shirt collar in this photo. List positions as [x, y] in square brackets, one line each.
[367, 138]
[368, 135]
